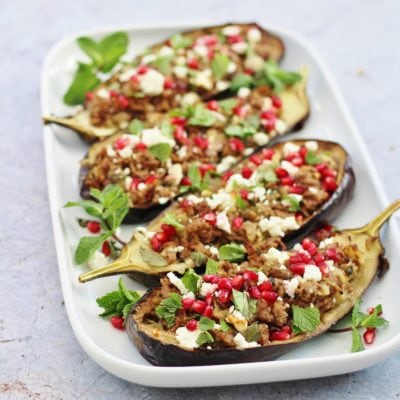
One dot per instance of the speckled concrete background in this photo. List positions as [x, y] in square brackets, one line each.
[39, 356]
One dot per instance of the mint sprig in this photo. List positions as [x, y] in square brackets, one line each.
[305, 319]
[168, 308]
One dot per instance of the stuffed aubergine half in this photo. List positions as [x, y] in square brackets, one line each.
[237, 313]
[274, 196]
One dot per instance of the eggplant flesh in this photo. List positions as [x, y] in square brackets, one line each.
[160, 346]
[93, 125]
[131, 260]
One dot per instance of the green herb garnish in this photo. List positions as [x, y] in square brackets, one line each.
[244, 304]
[232, 252]
[168, 308]
[305, 319]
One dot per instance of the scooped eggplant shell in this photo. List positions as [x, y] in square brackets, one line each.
[160, 347]
[131, 260]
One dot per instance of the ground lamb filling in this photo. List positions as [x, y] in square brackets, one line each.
[155, 164]
[237, 306]
[179, 72]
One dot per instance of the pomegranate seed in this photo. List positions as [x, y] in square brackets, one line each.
[296, 189]
[295, 258]
[268, 114]
[162, 237]
[276, 101]
[291, 156]
[237, 282]
[309, 246]
[369, 335]
[155, 244]
[140, 146]
[281, 172]
[150, 179]
[204, 168]
[213, 105]
[297, 161]
[186, 181]
[185, 204]
[244, 194]
[247, 172]
[208, 40]
[135, 183]
[239, 110]
[237, 222]
[201, 142]
[286, 328]
[117, 322]
[193, 63]
[208, 311]
[250, 275]
[287, 181]
[234, 39]
[178, 121]
[211, 278]
[169, 84]
[89, 96]
[210, 54]
[209, 298]
[225, 283]
[226, 176]
[299, 216]
[331, 254]
[329, 172]
[168, 229]
[198, 306]
[113, 94]
[106, 249]
[191, 325]
[321, 167]
[329, 184]
[303, 152]
[134, 80]
[268, 154]
[268, 124]
[210, 217]
[324, 268]
[280, 335]
[319, 258]
[121, 143]
[255, 159]
[265, 286]
[224, 296]
[254, 292]
[236, 145]
[298, 269]
[180, 134]
[187, 303]
[305, 258]
[269, 296]
[371, 310]
[142, 69]
[123, 102]
[93, 226]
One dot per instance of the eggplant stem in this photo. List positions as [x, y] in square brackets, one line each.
[372, 228]
[117, 267]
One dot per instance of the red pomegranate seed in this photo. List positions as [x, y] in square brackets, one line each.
[280, 335]
[269, 296]
[226, 176]
[150, 179]
[297, 161]
[224, 296]
[306, 258]
[180, 134]
[106, 249]
[296, 189]
[169, 84]
[254, 292]
[211, 278]
[298, 269]
[324, 268]
[309, 246]
[249, 71]
[295, 258]
[210, 54]
[187, 303]
[268, 154]
[299, 217]
[236, 145]
[237, 222]
[291, 156]
[199, 306]
[287, 181]
[268, 124]
[209, 298]
[303, 152]
[134, 80]
[117, 322]
[247, 172]
[329, 184]
[321, 167]
[213, 105]
[239, 110]
[210, 217]
[142, 69]
[371, 310]
[204, 168]
[281, 172]
[140, 146]
[369, 335]
[123, 102]
[234, 39]
[269, 115]
[168, 229]
[185, 204]
[93, 226]
[244, 194]
[114, 94]
[255, 159]
[121, 143]
[237, 282]
[193, 63]
[319, 258]
[178, 121]
[276, 101]
[265, 286]
[332, 254]
[329, 172]
[208, 311]
[155, 244]
[89, 96]
[250, 275]
[191, 325]
[208, 40]
[135, 183]
[162, 237]
[201, 142]
[286, 328]
[225, 283]
[186, 181]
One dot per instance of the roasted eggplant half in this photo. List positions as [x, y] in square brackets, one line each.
[160, 162]
[274, 196]
[238, 314]
[184, 69]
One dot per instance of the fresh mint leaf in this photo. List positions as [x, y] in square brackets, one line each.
[93, 208]
[234, 130]
[90, 47]
[204, 338]
[357, 344]
[168, 308]
[267, 175]
[228, 104]
[224, 326]
[252, 333]
[292, 202]
[232, 252]
[211, 267]
[162, 64]
[87, 247]
[240, 203]
[171, 219]
[112, 47]
[219, 65]
[305, 319]
[312, 158]
[241, 80]
[205, 324]
[374, 320]
[254, 121]
[190, 279]
[179, 41]
[116, 206]
[166, 129]
[356, 315]
[244, 304]
[151, 257]
[202, 117]
[194, 176]
[84, 81]
[161, 151]
[136, 127]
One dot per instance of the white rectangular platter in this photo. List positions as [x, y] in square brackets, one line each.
[326, 355]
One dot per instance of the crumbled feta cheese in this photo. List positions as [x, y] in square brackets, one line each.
[181, 60]
[239, 47]
[311, 145]
[259, 193]
[231, 68]
[226, 163]
[126, 152]
[97, 260]
[166, 51]
[126, 171]
[277, 226]
[148, 58]
[126, 75]
[214, 250]
[290, 168]
[248, 151]
[175, 173]
[313, 190]
[141, 186]
[261, 138]
[103, 93]
[267, 104]
[110, 151]
[231, 30]
[201, 50]
[242, 343]
[222, 85]
[194, 199]
[275, 254]
[244, 92]
[182, 152]
[189, 295]
[291, 286]
[128, 182]
[223, 222]
[280, 126]
[261, 277]
[152, 82]
[206, 288]
[254, 62]
[189, 99]
[312, 273]
[163, 200]
[325, 243]
[237, 180]
[177, 282]
[203, 79]
[180, 71]
[218, 199]
[254, 35]
[186, 338]
[290, 147]
[154, 136]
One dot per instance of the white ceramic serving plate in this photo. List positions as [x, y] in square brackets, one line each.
[326, 355]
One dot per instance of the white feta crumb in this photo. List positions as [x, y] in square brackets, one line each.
[126, 152]
[182, 152]
[166, 51]
[231, 30]
[163, 200]
[275, 254]
[226, 163]
[222, 85]
[148, 58]
[290, 147]
[186, 338]
[97, 260]
[189, 99]
[313, 273]
[141, 186]
[239, 47]
[254, 62]
[248, 151]
[291, 286]
[152, 82]
[259, 193]
[242, 343]
[126, 75]
[313, 190]
[311, 145]
[201, 50]
[261, 277]
[175, 173]
[244, 92]
[220, 199]
[203, 79]
[280, 126]
[194, 199]
[110, 151]
[277, 226]
[290, 168]
[180, 71]
[128, 182]
[261, 138]
[231, 68]
[254, 35]
[154, 136]
[103, 93]
[237, 180]
[207, 288]
[326, 242]
[267, 104]
[177, 282]
[223, 222]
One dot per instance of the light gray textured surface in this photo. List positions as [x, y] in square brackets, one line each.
[39, 356]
